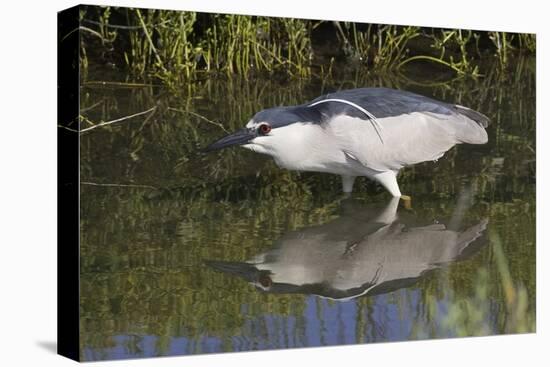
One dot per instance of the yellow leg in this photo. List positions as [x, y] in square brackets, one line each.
[407, 201]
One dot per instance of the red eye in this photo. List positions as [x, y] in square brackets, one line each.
[264, 129]
[265, 280]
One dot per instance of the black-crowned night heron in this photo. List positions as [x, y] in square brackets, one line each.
[364, 252]
[371, 132]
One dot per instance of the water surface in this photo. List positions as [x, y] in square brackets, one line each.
[185, 253]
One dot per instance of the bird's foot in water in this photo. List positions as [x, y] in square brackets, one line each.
[407, 202]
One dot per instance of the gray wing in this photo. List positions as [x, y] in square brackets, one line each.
[386, 102]
[409, 253]
[413, 128]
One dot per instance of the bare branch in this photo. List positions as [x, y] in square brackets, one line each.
[118, 120]
[199, 116]
[117, 185]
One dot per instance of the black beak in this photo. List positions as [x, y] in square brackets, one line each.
[239, 137]
[243, 270]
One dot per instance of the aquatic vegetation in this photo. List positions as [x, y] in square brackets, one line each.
[381, 47]
[441, 40]
[175, 46]
[507, 43]
[474, 316]
[241, 44]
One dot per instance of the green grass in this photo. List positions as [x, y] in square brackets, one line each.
[174, 46]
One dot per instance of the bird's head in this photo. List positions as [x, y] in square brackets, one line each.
[270, 131]
[261, 279]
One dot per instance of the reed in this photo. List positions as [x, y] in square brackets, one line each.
[451, 49]
[242, 44]
[506, 44]
[175, 47]
[379, 47]
[473, 316]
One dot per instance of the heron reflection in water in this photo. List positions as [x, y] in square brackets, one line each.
[363, 252]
